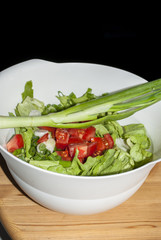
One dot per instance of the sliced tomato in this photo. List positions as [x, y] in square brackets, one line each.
[64, 155]
[100, 143]
[73, 132]
[110, 142]
[91, 149]
[75, 140]
[83, 133]
[50, 129]
[15, 142]
[89, 133]
[44, 138]
[85, 150]
[82, 148]
[62, 138]
[76, 132]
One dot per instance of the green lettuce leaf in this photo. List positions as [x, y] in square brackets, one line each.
[27, 138]
[28, 91]
[55, 157]
[71, 99]
[122, 162]
[100, 130]
[115, 129]
[105, 161]
[28, 105]
[139, 154]
[133, 130]
[58, 169]
[44, 164]
[139, 143]
[74, 169]
[89, 165]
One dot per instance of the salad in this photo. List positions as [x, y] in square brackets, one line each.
[101, 149]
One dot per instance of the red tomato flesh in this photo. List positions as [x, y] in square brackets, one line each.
[50, 129]
[75, 132]
[15, 142]
[44, 138]
[75, 140]
[85, 150]
[100, 143]
[89, 133]
[82, 148]
[91, 148]
[84, 133]
[64, 155]
[109, 140]
[62, 138]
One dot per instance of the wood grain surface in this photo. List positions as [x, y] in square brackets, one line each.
[137, 218]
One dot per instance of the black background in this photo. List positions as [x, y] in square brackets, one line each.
[127, 40]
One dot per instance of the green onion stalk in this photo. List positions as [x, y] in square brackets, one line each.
[114, 106]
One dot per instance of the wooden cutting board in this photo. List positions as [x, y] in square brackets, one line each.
[137, 218]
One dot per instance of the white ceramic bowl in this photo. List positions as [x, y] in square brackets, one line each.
[64, 193]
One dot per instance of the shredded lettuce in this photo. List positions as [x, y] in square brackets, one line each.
[29, 105]
[71, 99]
[101, 130]
[27, 137]
[28, 91]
